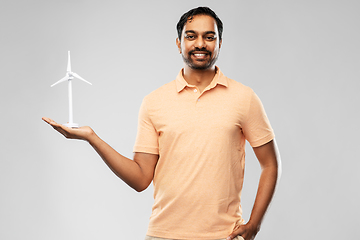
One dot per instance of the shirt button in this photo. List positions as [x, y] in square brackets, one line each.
[195, 90]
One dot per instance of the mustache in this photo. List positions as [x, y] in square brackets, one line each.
[199, 50]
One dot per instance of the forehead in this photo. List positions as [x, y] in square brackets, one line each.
[201, 23]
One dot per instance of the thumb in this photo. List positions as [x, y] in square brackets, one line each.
[232, 236]
[237, 237]
[238, 231]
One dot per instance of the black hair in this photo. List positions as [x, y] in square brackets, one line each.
[198, 11]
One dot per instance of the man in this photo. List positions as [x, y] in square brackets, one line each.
[191, 144]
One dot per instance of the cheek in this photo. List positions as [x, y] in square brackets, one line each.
[214, 49]
[185, 48]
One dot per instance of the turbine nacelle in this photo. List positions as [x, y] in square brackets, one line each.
[69, 75]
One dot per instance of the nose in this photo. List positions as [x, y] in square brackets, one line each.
[200, 43]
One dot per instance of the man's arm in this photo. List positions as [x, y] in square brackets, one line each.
[137, 173]
[269, 159]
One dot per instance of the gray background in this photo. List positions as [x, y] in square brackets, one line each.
[301, 57]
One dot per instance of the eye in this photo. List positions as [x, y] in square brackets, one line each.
[210, 38]
[190, 37]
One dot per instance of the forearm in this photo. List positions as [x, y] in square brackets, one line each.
[137, 173]
[267, 184]
[126, 169]
[265, 192]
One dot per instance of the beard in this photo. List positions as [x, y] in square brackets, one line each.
[199, 65]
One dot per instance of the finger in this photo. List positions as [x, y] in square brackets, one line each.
[233, 236]
[63, 130]
[237, 232]
[52, 122]
[58, 127]
[49, 120]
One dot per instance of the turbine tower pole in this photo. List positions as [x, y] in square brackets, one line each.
[71, 121]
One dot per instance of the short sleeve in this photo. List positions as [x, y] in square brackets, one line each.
[257, 128]
[147, 137]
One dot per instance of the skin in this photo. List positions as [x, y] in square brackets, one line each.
[199, 36]
[269, 159]
[137, 173]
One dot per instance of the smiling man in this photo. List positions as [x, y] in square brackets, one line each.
[191, 144]
[201, 49]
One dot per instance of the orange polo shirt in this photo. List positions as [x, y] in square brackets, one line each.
[200, 140]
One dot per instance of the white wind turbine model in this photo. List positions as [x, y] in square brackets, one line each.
[68, 77]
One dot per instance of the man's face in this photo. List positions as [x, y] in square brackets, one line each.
[200, 44]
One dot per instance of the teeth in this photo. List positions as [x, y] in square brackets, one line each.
[199, 54]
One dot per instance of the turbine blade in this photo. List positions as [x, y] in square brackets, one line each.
[77, 76]
[61, 80]
[69, 63]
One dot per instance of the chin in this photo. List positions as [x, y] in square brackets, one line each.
[201, 66]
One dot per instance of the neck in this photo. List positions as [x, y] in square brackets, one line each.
[199, 78]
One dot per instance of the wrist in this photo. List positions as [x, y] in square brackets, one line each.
[254, 225]
[91, 137]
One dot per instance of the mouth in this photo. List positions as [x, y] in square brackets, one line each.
[200, 55]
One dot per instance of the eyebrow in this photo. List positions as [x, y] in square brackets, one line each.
[207, 32]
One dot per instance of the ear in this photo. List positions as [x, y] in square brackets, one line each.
[220, 43]
[178, 44]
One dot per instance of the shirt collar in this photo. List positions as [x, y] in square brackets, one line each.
[219, 78]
